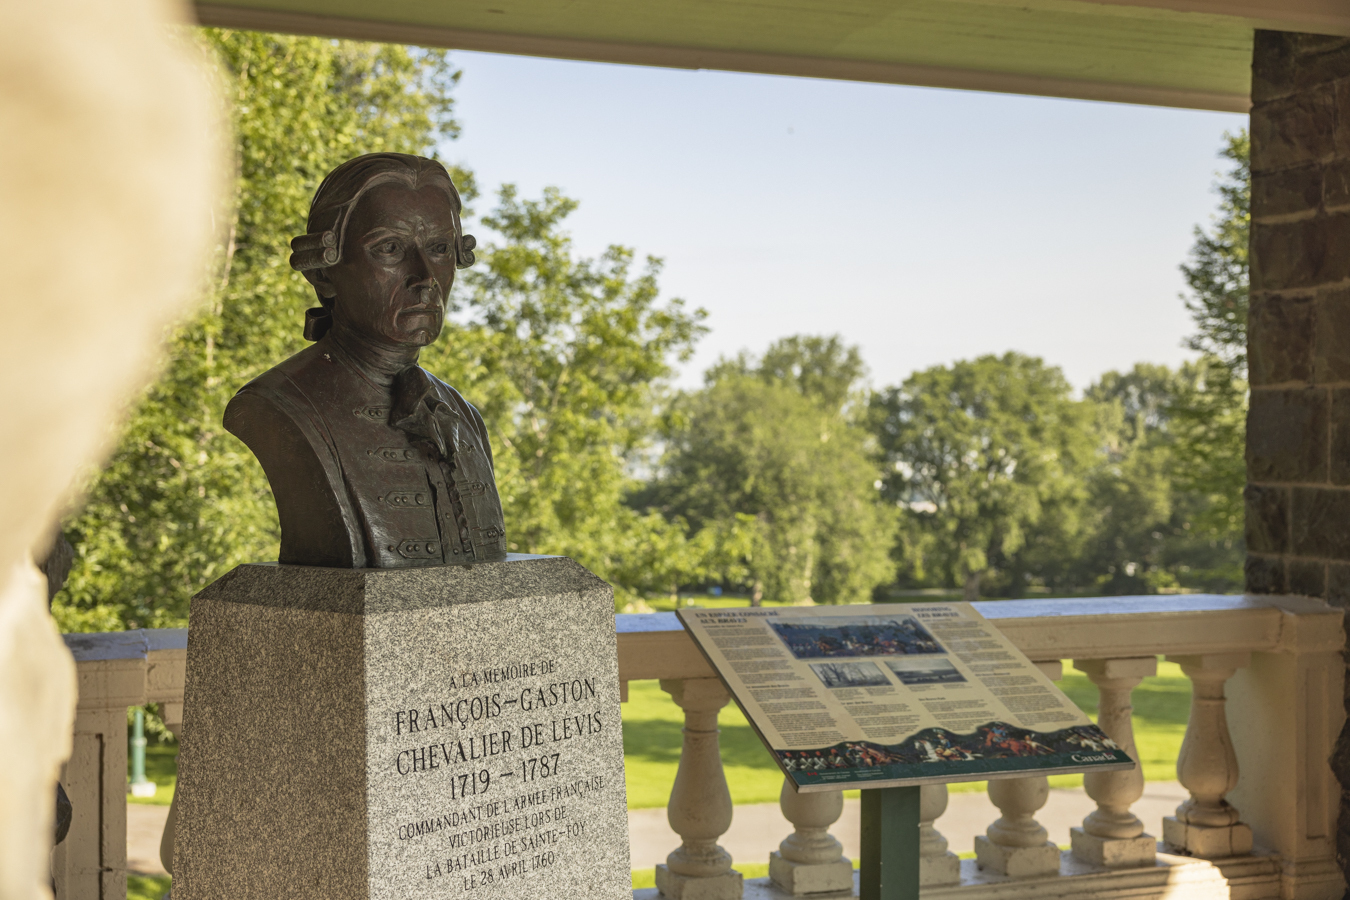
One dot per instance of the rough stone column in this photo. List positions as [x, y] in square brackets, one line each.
[1298, 426]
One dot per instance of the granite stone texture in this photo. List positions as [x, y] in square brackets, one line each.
[392, 734]
[1287, 436]
[1298, 505]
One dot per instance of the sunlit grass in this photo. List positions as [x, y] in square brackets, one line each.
[652, 738]
[146, 887]
[161, 767]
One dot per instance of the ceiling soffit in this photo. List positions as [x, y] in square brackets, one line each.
[1186, 53]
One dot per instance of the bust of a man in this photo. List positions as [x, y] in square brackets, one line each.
[374, 462]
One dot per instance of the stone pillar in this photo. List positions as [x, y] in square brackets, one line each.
[1207, 825]
[937, 864]
[810, 860]
[700, 803]
[1113, 836]
[91, 863]
[1298, 425]
[172, 714]
[1015, 845]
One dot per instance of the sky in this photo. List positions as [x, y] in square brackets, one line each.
[923, 225]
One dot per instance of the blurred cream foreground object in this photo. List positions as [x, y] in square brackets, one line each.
[109, 169]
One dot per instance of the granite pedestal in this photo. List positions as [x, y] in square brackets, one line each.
[389, 734]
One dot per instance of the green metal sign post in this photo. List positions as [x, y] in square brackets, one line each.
[140, 785]
[889, 869]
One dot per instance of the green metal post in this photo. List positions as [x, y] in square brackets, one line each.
[889, 868]
[140, 785]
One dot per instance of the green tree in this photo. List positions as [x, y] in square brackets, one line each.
[567, 358]
[1211, 415]
[1166, 495]
[1131, 487]
[823, 368]
[1217, 272]
[987, 461]
[181, 502]
[1143, 532]
[766, 443]
[657, 557]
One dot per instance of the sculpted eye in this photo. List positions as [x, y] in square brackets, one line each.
[387, 247]
[441, 249]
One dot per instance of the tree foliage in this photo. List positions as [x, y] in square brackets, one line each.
[1168, 494]
[567, 358]
[821, 367]
[1144, 536]
[1217, 272]
[1211, 415]
[784, 474]
[986, 459]
[767, 443]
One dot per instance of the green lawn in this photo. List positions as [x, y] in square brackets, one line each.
[1161, 706]
[652, 723]
[144, 887]
[162, 768]
[651, 741]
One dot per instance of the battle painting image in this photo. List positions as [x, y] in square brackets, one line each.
[996, 746]
[835, 636]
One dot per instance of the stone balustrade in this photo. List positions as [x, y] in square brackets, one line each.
[1112, 836]
[1267, 678]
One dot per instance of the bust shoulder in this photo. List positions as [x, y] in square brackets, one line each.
[280, 416]
[299, 378]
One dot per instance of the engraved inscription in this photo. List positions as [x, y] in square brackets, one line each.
[509, 746]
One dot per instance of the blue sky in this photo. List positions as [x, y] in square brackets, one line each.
[923, 225]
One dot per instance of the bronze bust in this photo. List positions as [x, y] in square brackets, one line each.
[374, 462]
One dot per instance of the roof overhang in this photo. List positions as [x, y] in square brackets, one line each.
[1184, 53]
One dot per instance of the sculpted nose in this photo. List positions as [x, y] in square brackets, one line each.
[419, 269]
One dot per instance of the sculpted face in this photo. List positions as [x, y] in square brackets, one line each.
[398, 263]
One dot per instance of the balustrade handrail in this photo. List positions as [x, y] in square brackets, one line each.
[1283, 717]
[655, 645]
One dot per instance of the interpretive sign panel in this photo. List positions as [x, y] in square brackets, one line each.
[887, 695]
[441, 733]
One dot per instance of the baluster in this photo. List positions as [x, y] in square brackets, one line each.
[810, 860]
[172, 713]
[1207, 825]
[700, 804]
[937, 865]
[1111, 835]
[1016, 844]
